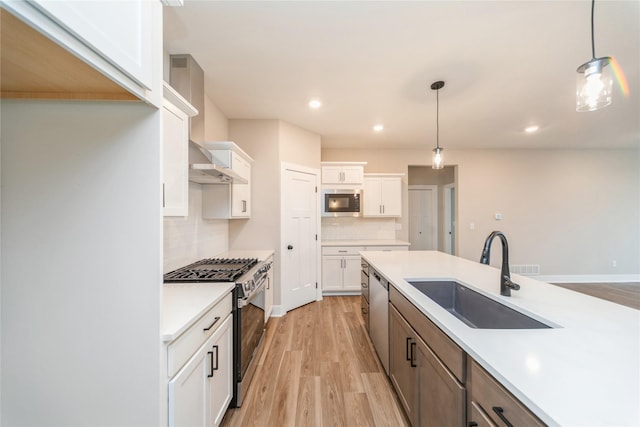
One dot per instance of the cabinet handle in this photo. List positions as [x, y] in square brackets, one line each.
[210, 353]
[342, 251]
[413, 355]
[211, 325]
[500, 412]
[163, 205]
[364, 285]
[216, 367]
[407, 349]
[472, 424]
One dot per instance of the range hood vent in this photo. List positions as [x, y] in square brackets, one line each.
[187, 78]
[203, 169]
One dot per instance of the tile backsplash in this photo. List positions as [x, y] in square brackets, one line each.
[189, 239]
[347, 228]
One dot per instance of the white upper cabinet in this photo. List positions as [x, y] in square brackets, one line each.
[116, 38]
[351, 173]
[224, 200]
[175, 153]
[383, 195]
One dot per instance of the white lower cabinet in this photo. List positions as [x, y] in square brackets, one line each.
[200, 392]
[268, 294]
[341, 269]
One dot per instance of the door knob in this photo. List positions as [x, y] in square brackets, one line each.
[289, 247]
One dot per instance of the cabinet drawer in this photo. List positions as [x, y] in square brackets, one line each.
[386, 248]
[183, 347]
[342, 250]
[478, 418]
[448, 351]
[493, 398]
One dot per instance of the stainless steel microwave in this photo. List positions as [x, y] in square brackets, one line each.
[341, 202]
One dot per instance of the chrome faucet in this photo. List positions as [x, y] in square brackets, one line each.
[505, 277]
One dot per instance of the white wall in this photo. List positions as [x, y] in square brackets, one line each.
[572, 212]
[81, 263]
[269, 142]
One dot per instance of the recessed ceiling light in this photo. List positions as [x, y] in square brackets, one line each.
[531, 129]
[315, 104]
[378, 128]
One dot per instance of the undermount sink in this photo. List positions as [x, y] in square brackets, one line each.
[473, 308]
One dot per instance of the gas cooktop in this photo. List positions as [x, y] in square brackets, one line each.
[211, 270]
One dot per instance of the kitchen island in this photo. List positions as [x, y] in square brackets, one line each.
[583, 371]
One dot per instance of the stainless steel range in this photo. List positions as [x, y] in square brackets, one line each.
[250, 276]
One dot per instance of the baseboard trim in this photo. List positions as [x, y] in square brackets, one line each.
[589, 278]
[340, 293]
[278, 311]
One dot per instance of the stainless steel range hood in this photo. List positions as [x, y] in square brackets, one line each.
[187, 78]
[203, 170]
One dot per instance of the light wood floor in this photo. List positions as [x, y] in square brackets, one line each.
[318, 368]
[621, 293]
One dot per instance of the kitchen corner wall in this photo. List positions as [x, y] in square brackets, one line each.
[573, 212]
[269, 142]
[189, 239]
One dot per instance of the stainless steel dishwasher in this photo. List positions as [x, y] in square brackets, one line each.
[379, 316]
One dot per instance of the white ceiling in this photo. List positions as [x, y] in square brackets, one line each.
[506, 65]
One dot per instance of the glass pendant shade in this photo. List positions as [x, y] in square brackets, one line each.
[594, 85]
[437, 160]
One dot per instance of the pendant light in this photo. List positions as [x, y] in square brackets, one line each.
[594, 81]
[437, 160]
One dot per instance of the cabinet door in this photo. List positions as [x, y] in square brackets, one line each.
[121, 32]
[332, 273]
[219, 373]
[351, 273]
[353, 175]
[240, 165]
[187, 400]
[240, 200]
[175, 186]
[332, 175]
[391, 196]
[402, 355]
[371, 197]
[268, 297]
[442, 397]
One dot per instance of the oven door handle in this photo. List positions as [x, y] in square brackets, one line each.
[246, 301]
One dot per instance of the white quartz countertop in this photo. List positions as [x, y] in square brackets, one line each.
[365, 242]
[583, 372]
[183, 304]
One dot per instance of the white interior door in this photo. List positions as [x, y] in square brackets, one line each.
[423, 217]
[299, 231]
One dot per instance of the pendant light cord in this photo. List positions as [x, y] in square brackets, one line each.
[438, 118]
[593, 43]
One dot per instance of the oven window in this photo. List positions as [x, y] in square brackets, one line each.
[251, 329]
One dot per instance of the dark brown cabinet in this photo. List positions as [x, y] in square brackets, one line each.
[429, 392]
[492, 404]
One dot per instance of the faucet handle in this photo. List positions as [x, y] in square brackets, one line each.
[511, 284]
